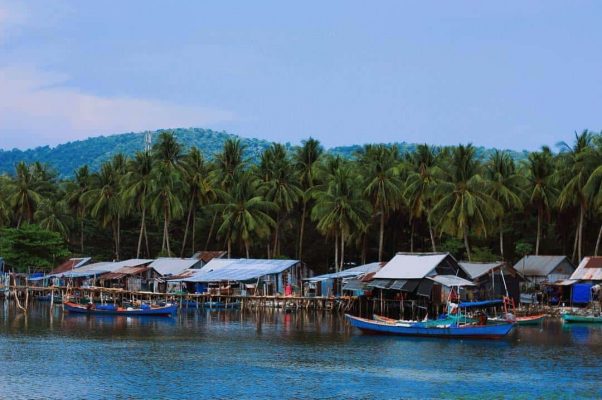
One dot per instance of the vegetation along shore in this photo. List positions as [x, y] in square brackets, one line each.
[301, 202]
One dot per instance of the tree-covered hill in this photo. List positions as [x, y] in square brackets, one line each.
[67, 157]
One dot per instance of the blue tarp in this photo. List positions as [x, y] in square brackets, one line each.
[483, 303]
[582, 293]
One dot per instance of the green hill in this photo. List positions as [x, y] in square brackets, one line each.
[67, 157]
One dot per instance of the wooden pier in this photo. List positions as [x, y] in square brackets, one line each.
[24, 295]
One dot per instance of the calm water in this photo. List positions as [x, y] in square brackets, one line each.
[230, 354]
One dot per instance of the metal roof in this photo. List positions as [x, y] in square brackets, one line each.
[539, 265]
[349, 273]
[451, 280]
[207, 256]
[243, 269]
[590, 269]
[70, 264]
[100, 268]
[173, 266]
[125, 271]
[476, 270]
[411, 266]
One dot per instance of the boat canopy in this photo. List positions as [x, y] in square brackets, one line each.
[484, 303]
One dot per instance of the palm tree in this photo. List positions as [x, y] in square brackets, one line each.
[75, 199]
[105, 201]
[279, 185]
[465, 203]
[167, 173]
[420, 185]
[53, 216]
[245, 213]
[306, 159]
[24, 196]
[505, 187]
[5, 209]
[593, 187]
[541, 188]
[340, 209]
[201, 189]
[573, 174]
[383, 186]
[138, 185]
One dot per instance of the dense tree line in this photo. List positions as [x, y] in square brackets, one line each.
[324, 209]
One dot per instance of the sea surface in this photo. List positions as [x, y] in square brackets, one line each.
[203, 354]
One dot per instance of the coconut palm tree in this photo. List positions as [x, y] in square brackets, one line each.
[75, 199]
[593, 187]
[340, 208]
[383, 186]
[53, 216]
[105, 201]
[420, 186]
[200, 189]
[244, 212]
[24, 195]
[574, 171]
[5, 209]
[138, 185]
[505, 186]
[279, 186]
[464, 202]
[541, 187]
[306, 159]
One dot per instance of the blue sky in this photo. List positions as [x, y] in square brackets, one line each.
[505, 74]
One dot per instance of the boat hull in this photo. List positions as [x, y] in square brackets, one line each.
[573, 318]
[530, 320]
[495, 331]
[158, 312]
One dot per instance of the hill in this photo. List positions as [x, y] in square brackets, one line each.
[67, 157]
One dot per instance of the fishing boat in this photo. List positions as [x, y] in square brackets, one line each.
[432, 329]
[530, 319]
[576, 318]
[110, 309]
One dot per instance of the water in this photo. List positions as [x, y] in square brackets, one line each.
[229, 354]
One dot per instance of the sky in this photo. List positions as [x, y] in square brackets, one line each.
[512, 74]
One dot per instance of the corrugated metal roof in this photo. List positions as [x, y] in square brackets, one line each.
[173, 266]
[410, 266]
[590, 269]
[207, 256]
[539, 265]
[100, 268]
[125, 271]
[70, 264]
[451, 280]
[350, 272]
[476, 270]
[243, 269]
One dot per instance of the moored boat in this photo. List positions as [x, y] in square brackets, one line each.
[110, 309]
[455, 330]
[530, 319]
[576, 318]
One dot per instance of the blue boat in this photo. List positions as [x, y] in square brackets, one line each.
[488, 331]
[110, 309]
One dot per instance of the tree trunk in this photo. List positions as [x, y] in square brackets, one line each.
[302, 230]
[411, 236]
[276, 233]
[146, 240]
[186, 229]
[166, 233]
[575, 243]
[229, 247]
[141, 232]
[501, 239]
[598, 241]
[381, 237]
[336, 251]
[247, 248]
[580, 245]
[539, 212]
[432, 233]
[81, 235]
[342, 250]
[364, 247]
[193, 231]
[118, 241]
[210, 231]
[466, 244]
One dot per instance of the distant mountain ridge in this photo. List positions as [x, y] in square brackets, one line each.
[66, 158]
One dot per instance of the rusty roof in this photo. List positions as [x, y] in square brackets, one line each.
[70, 264]
[590, 269]
[206, 256]
[125, 271]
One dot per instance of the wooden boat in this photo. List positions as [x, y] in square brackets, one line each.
[109, 309]
[568, 317]
[530, 319]
[488, 331]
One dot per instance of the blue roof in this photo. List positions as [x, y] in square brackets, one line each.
[243, 269]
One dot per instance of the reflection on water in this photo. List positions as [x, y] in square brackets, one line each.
[271, 354]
